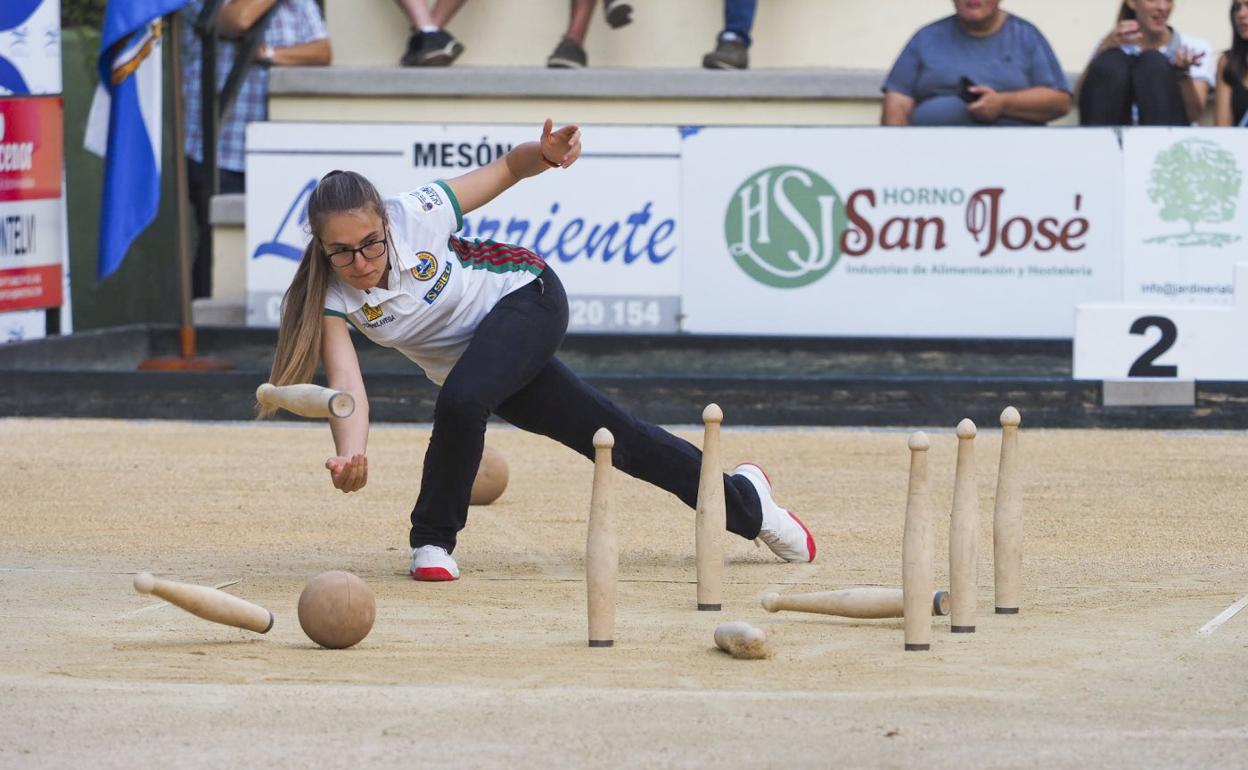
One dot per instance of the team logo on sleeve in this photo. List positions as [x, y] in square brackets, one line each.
[371, 313]
[427, 196]
[426, 266]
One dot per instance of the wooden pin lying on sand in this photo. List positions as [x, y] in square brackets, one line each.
[306, 400]
[851, 602]
[741, 640]
[207, 603]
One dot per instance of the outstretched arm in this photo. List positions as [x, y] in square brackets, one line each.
[555, 149]
[349, 468]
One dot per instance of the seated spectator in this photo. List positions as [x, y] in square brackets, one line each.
[294, 35]
[570, 53]
[1231, 97]
[430, 45]
[732, 47]
[1143, 72]
[981, 66]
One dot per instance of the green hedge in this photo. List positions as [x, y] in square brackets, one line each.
[82, 13]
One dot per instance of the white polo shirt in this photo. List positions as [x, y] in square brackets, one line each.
[439, 287]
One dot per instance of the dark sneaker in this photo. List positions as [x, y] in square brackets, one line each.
[413, 48]
[435, 49]
[619, 13]
[567, 55]
[729, 54]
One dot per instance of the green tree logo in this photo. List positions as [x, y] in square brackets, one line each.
[784, 226]
[1195, 181]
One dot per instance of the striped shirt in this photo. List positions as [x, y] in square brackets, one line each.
[439, 288]
[293, 22]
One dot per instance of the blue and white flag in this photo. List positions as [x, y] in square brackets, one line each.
[125, 123]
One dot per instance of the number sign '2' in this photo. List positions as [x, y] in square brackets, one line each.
[1185, 342]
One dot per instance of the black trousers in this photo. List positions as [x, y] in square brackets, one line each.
[1116, 80]
[196, 179]
[510, 369]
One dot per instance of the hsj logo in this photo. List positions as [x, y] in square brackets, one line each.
[371, 313]
[426, 266]
[784, 225]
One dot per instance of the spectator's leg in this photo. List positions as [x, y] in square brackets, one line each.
[445, 10]
[418, 13]
[1105, 99]
[732, 48]
[1157, 94]
[201, 267]
[581, 13]
[570, 53]
[739, 18]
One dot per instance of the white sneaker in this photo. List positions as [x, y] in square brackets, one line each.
[784, 533]
[431, 562]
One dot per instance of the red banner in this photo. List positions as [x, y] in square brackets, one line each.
[24, 288]
[30, 148]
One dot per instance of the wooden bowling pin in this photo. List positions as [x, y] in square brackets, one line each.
[1007, 520]
[917, 549]
[964, 535]
[711, 518]
[602, 557]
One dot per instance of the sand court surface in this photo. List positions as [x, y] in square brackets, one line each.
[1134, 540]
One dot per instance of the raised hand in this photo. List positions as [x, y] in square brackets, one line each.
[561, 147]
[1186, 58]
[1126, 33]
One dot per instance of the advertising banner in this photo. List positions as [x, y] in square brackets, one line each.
[1185, 221]
[877, 231]
[30, 47]
[30, 203]
[608, 226]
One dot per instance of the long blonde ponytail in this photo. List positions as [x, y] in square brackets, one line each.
[298, 350]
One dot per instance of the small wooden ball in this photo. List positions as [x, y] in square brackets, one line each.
[336, 609]
[491, 478]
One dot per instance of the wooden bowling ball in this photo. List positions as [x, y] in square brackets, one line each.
[491, 478]
[336, 609]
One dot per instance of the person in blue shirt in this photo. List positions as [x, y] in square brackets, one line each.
[980, 67]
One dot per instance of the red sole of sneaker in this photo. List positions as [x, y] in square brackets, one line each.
[435, 574]
[810, 540]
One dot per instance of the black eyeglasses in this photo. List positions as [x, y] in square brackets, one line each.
[371, 250]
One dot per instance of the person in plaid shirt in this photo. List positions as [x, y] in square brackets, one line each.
[294, 35]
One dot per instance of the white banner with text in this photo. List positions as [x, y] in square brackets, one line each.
[877, 231]
[608, 225]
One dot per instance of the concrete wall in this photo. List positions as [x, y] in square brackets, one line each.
[858, 34]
